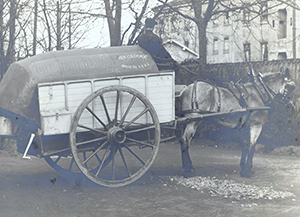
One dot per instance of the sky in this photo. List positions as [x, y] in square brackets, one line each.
[98, 35]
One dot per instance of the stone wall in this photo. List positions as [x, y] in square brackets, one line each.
[224, 72]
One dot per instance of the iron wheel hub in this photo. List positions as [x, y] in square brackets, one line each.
[116, 134]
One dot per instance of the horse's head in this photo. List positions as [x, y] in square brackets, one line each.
[280, 85]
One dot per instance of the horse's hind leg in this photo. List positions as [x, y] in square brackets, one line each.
[247, 157]
[245, 141]
[185, 142]
[255, 132]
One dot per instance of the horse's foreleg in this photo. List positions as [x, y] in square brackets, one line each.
[185, 142]
[248, 152]
[245, 150]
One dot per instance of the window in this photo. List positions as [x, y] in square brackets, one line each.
[226, 45]
[264, 51]
[247, 51]
[282, 24]
[215, 46]
[282, 56]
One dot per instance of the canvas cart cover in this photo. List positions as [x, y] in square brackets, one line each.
[18, 88]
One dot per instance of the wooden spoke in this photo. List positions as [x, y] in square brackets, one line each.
[113, 163]
[103, 160]
[71, 164]
[105, 109]
[63, 164]
[140, 130]
[136, 118]
[91, 129]
[141, 142]
[95, 152]
[137, 157]
[124, 162]
[117, 107]
[92, 140]
[97, 157]
[95, 116]
[57, 159]
[127, 110]
[84, 160]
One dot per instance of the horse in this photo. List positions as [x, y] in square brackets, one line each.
[260, 92]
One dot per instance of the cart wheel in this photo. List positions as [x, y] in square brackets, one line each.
[63, 164]
[66, 164]
[120, 127]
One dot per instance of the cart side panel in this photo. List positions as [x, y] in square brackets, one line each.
[161, 95]
[59, 101]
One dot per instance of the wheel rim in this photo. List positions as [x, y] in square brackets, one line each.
[63, 164]
[120, 128]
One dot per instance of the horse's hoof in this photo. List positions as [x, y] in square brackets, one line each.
[247, 173]
[189, 173]
[244, 174]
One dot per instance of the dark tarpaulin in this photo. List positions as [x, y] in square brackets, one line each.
[18, 88]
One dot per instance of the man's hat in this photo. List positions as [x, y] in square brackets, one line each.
[150, 22]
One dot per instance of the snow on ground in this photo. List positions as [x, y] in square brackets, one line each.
[230, 189]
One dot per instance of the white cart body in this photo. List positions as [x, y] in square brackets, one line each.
[46, 89]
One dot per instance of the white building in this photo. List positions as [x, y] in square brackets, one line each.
[271, 34]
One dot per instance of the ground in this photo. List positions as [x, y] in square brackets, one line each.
[32, 188]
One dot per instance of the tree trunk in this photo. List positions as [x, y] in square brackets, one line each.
[10, 54]
[58, 27]
[114, 22]
[202, 42]
[1, 40]
[47, 24]
[35, 27]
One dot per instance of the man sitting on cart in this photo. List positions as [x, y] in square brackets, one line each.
[153, 44]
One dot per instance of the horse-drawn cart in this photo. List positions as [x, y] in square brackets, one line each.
[101, 108]
[95, 111]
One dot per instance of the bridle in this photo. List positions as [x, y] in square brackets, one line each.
[283, 99]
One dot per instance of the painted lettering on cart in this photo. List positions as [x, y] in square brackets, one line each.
[139, 66]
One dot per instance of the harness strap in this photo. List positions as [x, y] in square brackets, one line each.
[219, 98]
[267, 89]
[262, 89]
[195, 105]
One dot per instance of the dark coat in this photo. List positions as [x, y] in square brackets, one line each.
[153, 44]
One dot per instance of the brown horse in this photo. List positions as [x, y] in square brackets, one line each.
[202, 97]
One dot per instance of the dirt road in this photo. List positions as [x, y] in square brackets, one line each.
[32, 188]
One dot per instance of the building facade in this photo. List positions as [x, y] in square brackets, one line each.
[270, 31]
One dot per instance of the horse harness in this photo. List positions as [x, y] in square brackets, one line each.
[195, 104]
[239, 91]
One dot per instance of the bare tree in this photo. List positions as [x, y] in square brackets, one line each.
[115, 9]
[10, 29]
[65, 23]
